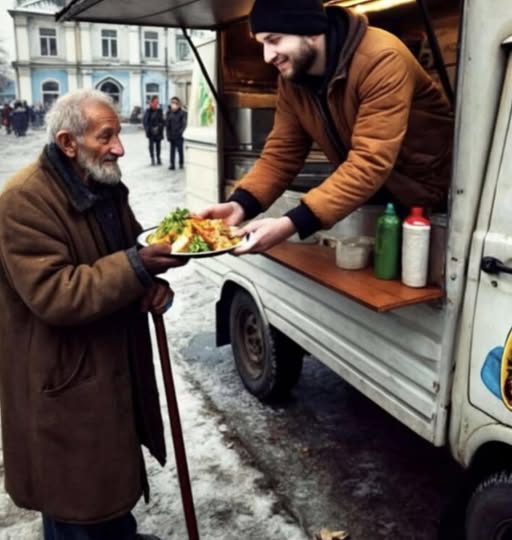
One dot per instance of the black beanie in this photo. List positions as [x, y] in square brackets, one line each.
[299, 17]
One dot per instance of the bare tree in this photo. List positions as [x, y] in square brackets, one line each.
[5, 67]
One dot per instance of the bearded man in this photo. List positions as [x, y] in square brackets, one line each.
[360, 94]
[78, 394]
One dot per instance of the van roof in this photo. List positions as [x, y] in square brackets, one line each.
[201, 14]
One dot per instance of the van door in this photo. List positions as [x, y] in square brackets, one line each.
[490, 264]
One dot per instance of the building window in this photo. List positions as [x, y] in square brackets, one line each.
[182, 49]
[112, 89]
[48, 41]
[151, 44]
[152, 89]
[109, 43]
[50, 91]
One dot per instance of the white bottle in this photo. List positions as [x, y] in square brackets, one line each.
[415, 248]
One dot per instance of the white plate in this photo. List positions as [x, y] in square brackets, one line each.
[142, 241]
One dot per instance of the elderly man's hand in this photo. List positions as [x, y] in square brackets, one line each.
[231, 213]
[158, 298]
[265, 233]
[157, 258]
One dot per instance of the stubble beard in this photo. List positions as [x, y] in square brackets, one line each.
[301, 63]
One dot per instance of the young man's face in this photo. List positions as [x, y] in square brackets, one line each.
[154, 104]
[292, 55]
[174, 106]
[100, 147]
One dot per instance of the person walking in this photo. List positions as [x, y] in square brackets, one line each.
[153, 122]
[78, 394]
[19, 119]
[176, 122]
[6, 117]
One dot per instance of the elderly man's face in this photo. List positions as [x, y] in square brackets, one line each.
[100, 147]
[292, 55]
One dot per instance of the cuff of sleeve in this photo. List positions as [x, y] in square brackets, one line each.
[247, 201]
[304, 220]
[144, 276]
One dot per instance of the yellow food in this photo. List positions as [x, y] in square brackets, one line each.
[187, 233]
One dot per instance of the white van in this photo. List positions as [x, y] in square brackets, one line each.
[435, 358]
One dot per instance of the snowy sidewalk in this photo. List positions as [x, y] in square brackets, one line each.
[232, 498]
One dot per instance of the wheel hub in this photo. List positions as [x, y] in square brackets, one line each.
[253, 344]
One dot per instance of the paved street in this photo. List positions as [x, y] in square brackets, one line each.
[327, 457]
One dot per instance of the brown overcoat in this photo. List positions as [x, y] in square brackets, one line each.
[390, 116]
[77, 387]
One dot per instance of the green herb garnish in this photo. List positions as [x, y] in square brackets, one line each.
[198, 245]
[174, 222]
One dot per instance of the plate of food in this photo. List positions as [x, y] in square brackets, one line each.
[192, 236]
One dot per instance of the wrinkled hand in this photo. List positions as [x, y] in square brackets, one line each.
[158, 298]
[231, 213]
[264, 234]
[157, 259]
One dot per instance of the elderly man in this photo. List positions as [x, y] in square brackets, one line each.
[77, 386]
[358, 93]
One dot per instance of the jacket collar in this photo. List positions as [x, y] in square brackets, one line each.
[357, 26]
[79, 195]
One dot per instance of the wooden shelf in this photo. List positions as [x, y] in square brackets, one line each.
[318, 263]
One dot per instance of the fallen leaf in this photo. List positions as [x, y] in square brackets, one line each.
[326, 534]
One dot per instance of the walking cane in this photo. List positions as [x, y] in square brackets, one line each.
[177, 434]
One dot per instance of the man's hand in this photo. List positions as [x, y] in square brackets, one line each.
[265, 233]
[158, 298]
[157, 259]
[231, 213]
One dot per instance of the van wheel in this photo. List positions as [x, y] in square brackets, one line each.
[489, 513]
[268, 362]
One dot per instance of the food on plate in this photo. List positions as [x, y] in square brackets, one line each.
[187, 233]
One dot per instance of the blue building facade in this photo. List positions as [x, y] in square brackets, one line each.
[129, 63]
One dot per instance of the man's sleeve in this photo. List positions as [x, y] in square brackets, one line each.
[386, 90]
[36, 256]
[282, 158]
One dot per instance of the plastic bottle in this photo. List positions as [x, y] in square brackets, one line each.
[387, 244]
[415, 248]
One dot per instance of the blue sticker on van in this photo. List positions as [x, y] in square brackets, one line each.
[491, 371]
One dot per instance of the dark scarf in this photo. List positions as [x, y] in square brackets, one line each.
[102, 200]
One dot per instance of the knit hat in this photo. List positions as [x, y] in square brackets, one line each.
[298, 17]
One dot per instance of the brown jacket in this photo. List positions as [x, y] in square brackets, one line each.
[390, 116]
[77, 386]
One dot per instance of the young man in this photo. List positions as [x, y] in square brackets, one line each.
[359, 93]
[153, 123]
[78, 395]
[176, 122]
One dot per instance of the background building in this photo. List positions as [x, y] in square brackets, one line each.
[130, 63]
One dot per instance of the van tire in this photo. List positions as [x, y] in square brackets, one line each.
[489, 512]
[268, 362]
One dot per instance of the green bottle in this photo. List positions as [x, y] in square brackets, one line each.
[387, 244]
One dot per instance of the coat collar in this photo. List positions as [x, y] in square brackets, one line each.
[79, 195]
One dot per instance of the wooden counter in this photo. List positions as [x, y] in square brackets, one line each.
[318, 263]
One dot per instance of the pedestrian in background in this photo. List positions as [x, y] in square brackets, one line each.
[78, 393]
[176, 122]
[19, 119]
[153, 122]
[6, 117]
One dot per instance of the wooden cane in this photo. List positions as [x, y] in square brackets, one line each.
[177, 434]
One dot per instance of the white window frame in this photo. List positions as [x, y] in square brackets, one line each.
[48, 39]
[55, 93]
[182, 45]
[149, 94]
[151, 39]
[109, 37]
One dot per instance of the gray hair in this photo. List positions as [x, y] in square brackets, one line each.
[67, 113]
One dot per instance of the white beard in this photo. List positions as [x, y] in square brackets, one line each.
[104, 172]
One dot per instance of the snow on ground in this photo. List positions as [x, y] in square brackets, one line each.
[233, 498]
